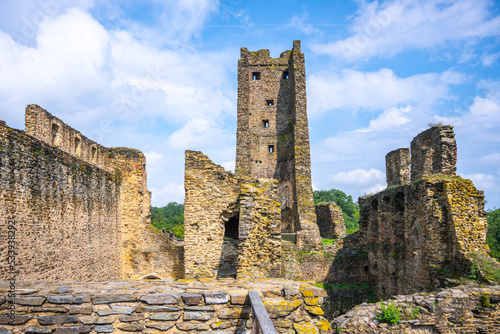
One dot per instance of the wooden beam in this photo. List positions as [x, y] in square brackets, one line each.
[260, 319]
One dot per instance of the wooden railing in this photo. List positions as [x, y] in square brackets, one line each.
[261, 323]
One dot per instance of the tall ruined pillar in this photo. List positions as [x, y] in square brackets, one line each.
[273, 135]
[397, 167]
[434, 151]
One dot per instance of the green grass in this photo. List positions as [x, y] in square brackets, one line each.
[327, 241]
[487, 267]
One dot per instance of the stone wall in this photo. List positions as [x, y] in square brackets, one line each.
[231, 227]
[259, 250]
[330, 220]
[65, 210]
[162, 307]
[397, 165]
[118, 220]
[414, 231]
[209, 207]
[461, 310]
[434, 151]
[273, 136]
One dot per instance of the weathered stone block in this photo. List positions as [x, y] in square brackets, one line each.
[191, 298]
[57, 319]
[160, 299]
[38, 330]
[165, 316]
[73, 330]
[30, 301]
[234, 313]
[104, 329]
[131, 327]
[108, 299]
[215, 297]
[159, 325]
[116, 309]
[69, 299]
[201, 316]
[146, 309]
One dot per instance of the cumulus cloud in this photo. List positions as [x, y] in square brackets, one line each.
[381, 89]
[390, 27]
[367, 181]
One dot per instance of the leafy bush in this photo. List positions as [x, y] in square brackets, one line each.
[390, 313]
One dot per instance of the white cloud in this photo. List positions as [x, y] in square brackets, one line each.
[492, 158]
[377, 90]
[300, 22]
[359, 177]
[387, 28]
[390, 119]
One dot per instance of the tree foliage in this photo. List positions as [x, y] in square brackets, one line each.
[493, 236]
[345, 202]
[170, 217]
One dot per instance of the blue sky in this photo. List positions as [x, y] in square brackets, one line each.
[160, 76]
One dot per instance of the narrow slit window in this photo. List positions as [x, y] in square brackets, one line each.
[265, 122]
[94, 154]
[271, 148]
[55, 133]
[77, 145]
[256, 75]
[285, 75]
[270, 103]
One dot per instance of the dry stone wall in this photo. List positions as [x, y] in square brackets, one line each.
[221, 307]
[461, 310]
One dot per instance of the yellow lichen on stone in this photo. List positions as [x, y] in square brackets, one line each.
[315, 310]
[323, 324]
[306, 328]
[311, 301]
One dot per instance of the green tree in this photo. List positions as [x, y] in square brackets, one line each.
[493, 235]
[345, 202]
[170, 217]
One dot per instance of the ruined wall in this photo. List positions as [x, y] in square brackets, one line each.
[434, 151]
[141, 251]
[259, 250]
[330, 220]
[209, 205]
[459, 310]
[415, 231]
[66, 212]
[273, 134]
[162, 307]
[397, 167]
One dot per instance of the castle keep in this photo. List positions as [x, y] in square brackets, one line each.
[233, 222]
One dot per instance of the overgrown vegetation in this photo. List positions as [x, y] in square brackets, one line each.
[390, 313]
[327, 241]
[350, 209]
[485, 267]
[170, 217]
[493, 236]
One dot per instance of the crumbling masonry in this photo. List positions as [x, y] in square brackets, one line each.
[81, 209]
[233, 222]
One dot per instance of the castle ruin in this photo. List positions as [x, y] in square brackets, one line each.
[81, 209]
[233, 222]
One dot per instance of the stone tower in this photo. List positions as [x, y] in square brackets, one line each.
[273, 136]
